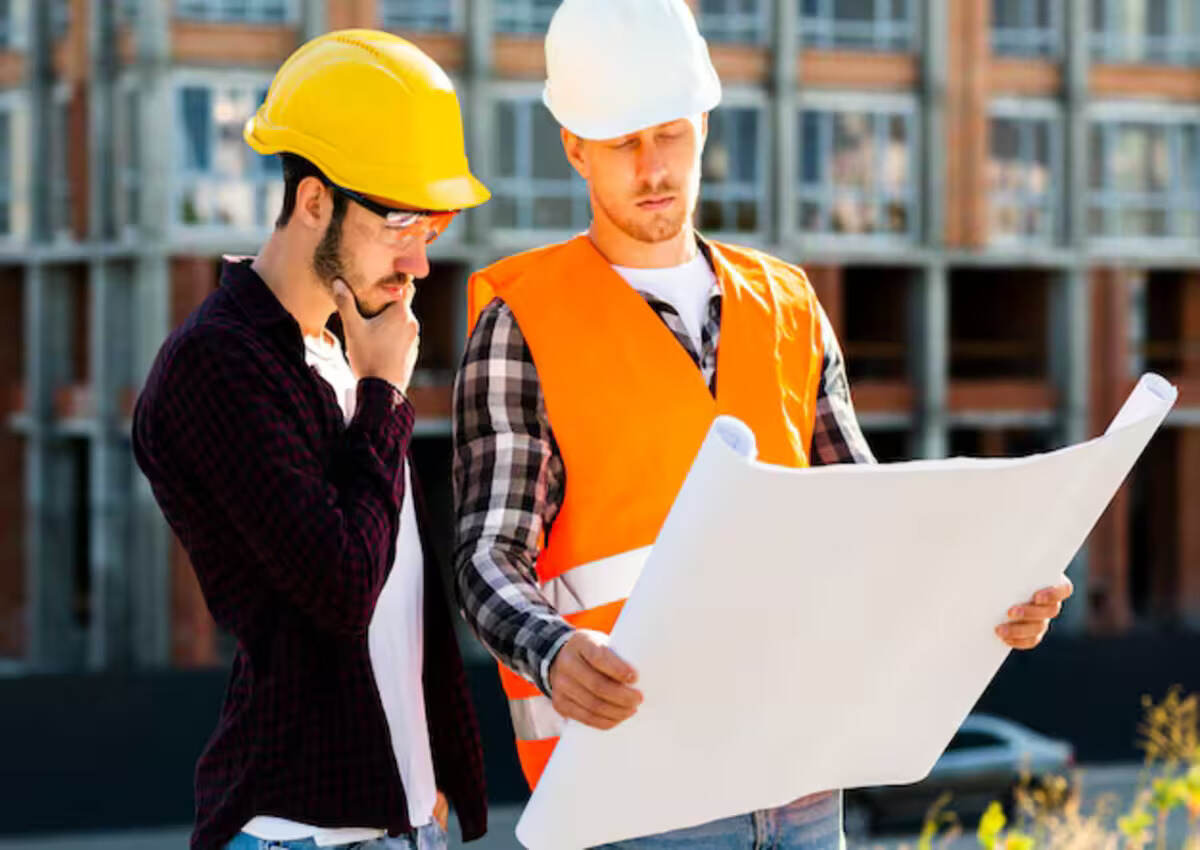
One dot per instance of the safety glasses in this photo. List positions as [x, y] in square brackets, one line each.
[400, 229]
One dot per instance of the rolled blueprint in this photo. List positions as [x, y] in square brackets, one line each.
[797, 631]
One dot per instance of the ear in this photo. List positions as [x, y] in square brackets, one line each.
[314, 206]
[573, 148]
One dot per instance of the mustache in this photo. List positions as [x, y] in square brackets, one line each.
[666, 187]
[395, 280]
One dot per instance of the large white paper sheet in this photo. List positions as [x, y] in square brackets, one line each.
[804, 630]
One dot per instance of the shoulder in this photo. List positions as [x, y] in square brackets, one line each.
[786, 281]
[515, 267]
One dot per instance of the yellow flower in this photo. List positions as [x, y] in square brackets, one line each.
[991, 825]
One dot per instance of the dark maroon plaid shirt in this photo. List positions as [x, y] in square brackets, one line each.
[290, 518]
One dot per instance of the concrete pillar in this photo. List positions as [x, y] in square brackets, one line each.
[934, 92]
[314, 19]
[784, 86]
[55, 638]
[149, 296]
[478, 111]
[1070, 357]
[930, 330]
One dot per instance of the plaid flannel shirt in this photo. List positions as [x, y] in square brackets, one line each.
[290, 518]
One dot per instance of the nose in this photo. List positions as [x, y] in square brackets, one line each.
[651, 165]
[413, 260]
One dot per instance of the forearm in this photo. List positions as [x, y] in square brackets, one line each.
[502, 603]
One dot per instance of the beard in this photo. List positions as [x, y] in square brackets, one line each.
[659, 227]
[329, 263]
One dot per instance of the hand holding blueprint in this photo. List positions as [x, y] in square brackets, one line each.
[803, 630]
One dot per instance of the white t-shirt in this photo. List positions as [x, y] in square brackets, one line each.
[395, 639]
[685, 287]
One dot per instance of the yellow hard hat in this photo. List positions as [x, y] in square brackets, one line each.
[376, 115]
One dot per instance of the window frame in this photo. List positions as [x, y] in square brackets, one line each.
[528, 93]
[905, 104]
[1027, 110]
[756, 99]
[127, 175]
[759, 23]
[826, 27]
[1029, 41]
[1169, 116]
[525, 14]
[212, 13]
[59, 192]
[14, 190]
[457, 16]
[181, 177]
[1111, 46]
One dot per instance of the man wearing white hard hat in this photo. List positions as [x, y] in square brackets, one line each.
[592, 374]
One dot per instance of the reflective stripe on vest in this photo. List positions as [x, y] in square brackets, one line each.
[630, 410]
[594, 586]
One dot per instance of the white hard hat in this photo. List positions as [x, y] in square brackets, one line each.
[617, 66]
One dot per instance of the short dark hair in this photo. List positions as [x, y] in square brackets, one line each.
[295, 169]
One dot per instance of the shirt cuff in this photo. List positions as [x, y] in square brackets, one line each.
[558, 633]
[381, 406]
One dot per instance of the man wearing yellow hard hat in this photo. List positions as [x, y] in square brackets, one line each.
[278, 449]
[592, 375]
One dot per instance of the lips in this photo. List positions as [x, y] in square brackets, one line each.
[655, 204]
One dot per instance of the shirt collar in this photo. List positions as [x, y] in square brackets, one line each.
[258, 303]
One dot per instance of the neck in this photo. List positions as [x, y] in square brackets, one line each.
[287, 271]
[621, 249]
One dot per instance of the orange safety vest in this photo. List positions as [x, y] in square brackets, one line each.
[630, 409]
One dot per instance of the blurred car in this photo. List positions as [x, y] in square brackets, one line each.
[985, 761]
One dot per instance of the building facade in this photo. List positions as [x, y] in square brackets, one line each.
[998, 202]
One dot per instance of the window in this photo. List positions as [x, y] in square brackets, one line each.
[524, 16]
[60, 18]
[223, 182]
[6, 25]
[1024, 164]
[734, 194]
[1027, 27]
[856, 171]
[858, 24]
[129, 153]
[735, 20]
[1144, 179]
[1146, 31]
[535, 187]
[236, 11]
[6, 172]
[60, 167]
[421, 15]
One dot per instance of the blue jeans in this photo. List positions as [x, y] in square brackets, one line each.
[429, 837]
[801, 825]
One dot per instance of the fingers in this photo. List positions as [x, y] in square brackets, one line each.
[1058, 593]
[599, 686]
[585, 711]
[1023, 635]
[346, 307]
[609, 663]
[1035, 612]
[441, 811]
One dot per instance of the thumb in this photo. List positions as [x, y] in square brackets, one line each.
[346, 306]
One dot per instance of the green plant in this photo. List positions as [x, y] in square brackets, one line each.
[1049, 814]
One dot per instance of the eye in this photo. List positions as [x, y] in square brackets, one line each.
[400, 221]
